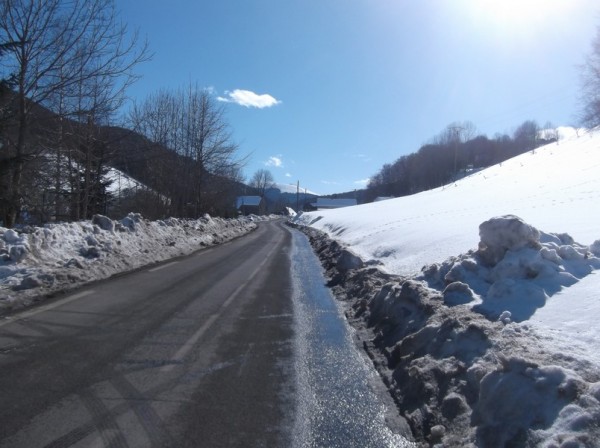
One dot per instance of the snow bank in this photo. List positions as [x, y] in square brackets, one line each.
[491, 338]
[459, 377]
[40, 260]
[514, 271]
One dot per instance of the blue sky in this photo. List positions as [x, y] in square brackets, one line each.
[326, 91]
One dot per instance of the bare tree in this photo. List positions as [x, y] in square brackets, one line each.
[453, 137]
[590, 85]
[527, 134]
[549, 133]
[191, 124]
[456, 133]
[74, 50]
[261, 180]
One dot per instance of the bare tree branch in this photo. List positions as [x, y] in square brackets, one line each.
[70, 55]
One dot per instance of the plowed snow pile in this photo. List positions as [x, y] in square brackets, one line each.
[480, 301]
[39, 260]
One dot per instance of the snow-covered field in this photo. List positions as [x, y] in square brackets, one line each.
[36, 261]
[508, 258]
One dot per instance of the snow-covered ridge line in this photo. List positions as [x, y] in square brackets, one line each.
[37, 261]
[461, 372]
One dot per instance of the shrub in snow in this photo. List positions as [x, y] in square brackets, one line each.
[504, 233]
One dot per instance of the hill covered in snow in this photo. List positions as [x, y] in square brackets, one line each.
[481, 299]
[556, 188]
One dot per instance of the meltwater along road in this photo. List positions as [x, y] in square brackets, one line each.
[217, 349]
[193, 352]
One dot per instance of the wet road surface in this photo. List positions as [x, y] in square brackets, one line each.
[221, 348]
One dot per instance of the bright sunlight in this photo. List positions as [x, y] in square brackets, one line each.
[517, 16]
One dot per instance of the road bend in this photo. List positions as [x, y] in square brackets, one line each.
[194, 352]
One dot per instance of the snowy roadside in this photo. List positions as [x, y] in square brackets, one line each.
[38, 261]
[456, 349]
[497, 346]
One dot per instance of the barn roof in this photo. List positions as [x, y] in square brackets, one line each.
[252, 201]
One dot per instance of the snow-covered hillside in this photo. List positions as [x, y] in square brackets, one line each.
[121, 183]
[555, 189]
[509, 259]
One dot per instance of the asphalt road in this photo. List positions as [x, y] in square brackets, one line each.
[196, 352]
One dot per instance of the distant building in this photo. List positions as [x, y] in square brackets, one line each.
[250, 205]
[328, 204]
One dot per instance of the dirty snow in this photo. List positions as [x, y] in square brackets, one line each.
[485, 307]
[36, 261]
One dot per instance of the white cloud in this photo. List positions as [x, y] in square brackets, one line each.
[274, 161]
[363, 157]
[248, 98]
[360, 156]
[329, 182]
[288, 175]
[362, 182]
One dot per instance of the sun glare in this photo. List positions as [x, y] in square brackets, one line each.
[510, 10]
[519, 13]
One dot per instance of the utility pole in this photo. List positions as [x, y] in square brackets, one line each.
[298, 197]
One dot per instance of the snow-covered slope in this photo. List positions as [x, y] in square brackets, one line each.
[500, 316]
[555, 189]
[121, 183]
